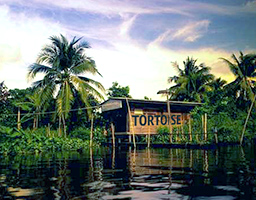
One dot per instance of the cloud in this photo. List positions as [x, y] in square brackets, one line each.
[112, 8]
[189, 33]
[126, 25]
[192, 31]
[21, 39]
[108, 8]
[250, 7]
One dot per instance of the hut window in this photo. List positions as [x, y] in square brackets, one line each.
[138, 112]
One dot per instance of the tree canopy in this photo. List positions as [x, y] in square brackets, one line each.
[118, 91]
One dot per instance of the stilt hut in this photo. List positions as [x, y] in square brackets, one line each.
[137, 116]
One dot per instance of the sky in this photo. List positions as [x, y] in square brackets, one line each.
[133, 42]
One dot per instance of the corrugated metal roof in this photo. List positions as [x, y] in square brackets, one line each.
[184, 103]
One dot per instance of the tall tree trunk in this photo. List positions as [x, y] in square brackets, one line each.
[246, 121]
[64, 126]
[91, 134]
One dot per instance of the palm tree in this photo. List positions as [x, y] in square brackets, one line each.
[217, 84]
[34, 106]
[63, 64]
[192, 82]
[244, 69]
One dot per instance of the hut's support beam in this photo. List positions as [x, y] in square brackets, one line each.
[189, 127]
[113, 134]
[202, 127]
[182, 127]
[148, 136]
[169, 115]
[205, 126]
[130, 119]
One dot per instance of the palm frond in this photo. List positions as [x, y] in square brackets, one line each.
[93, 82]
[35, 68]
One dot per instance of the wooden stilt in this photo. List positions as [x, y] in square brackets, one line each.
[182, 128]
[34, 123]
[91, 134]
[205, 126]
[148, 136]
[169, 115]
[48, 130]
[131, 126]
[216, 137]
[178, 134]
[202, 126]
[127, 128]
[18, 120]
[113, 158]
[113, 134]
[189, 127]
[191, 159]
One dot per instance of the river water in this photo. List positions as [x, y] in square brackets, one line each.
[222, 173]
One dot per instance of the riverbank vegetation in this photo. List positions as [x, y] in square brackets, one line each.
[60, 111]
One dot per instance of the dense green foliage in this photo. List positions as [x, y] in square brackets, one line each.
[118, 91]
[44, 140]
[226, 105]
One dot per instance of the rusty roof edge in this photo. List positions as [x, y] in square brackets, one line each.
[152, 101]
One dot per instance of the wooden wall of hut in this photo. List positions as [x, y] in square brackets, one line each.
[151, 127]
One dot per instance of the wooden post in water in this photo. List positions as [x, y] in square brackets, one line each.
[127, 127]
[178, 134]
[113, 134]
[189, 128]
[169, 117]
[167, 92]
[130, 119]
[182, 127]
[202, 126]
[18, 120]
[148, 136]
[91, 134]
[205, 126]
[113, 158]
[216, 135]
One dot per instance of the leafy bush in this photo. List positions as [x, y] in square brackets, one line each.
[14, 141]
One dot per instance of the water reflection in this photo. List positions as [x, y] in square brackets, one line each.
[106, 173]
